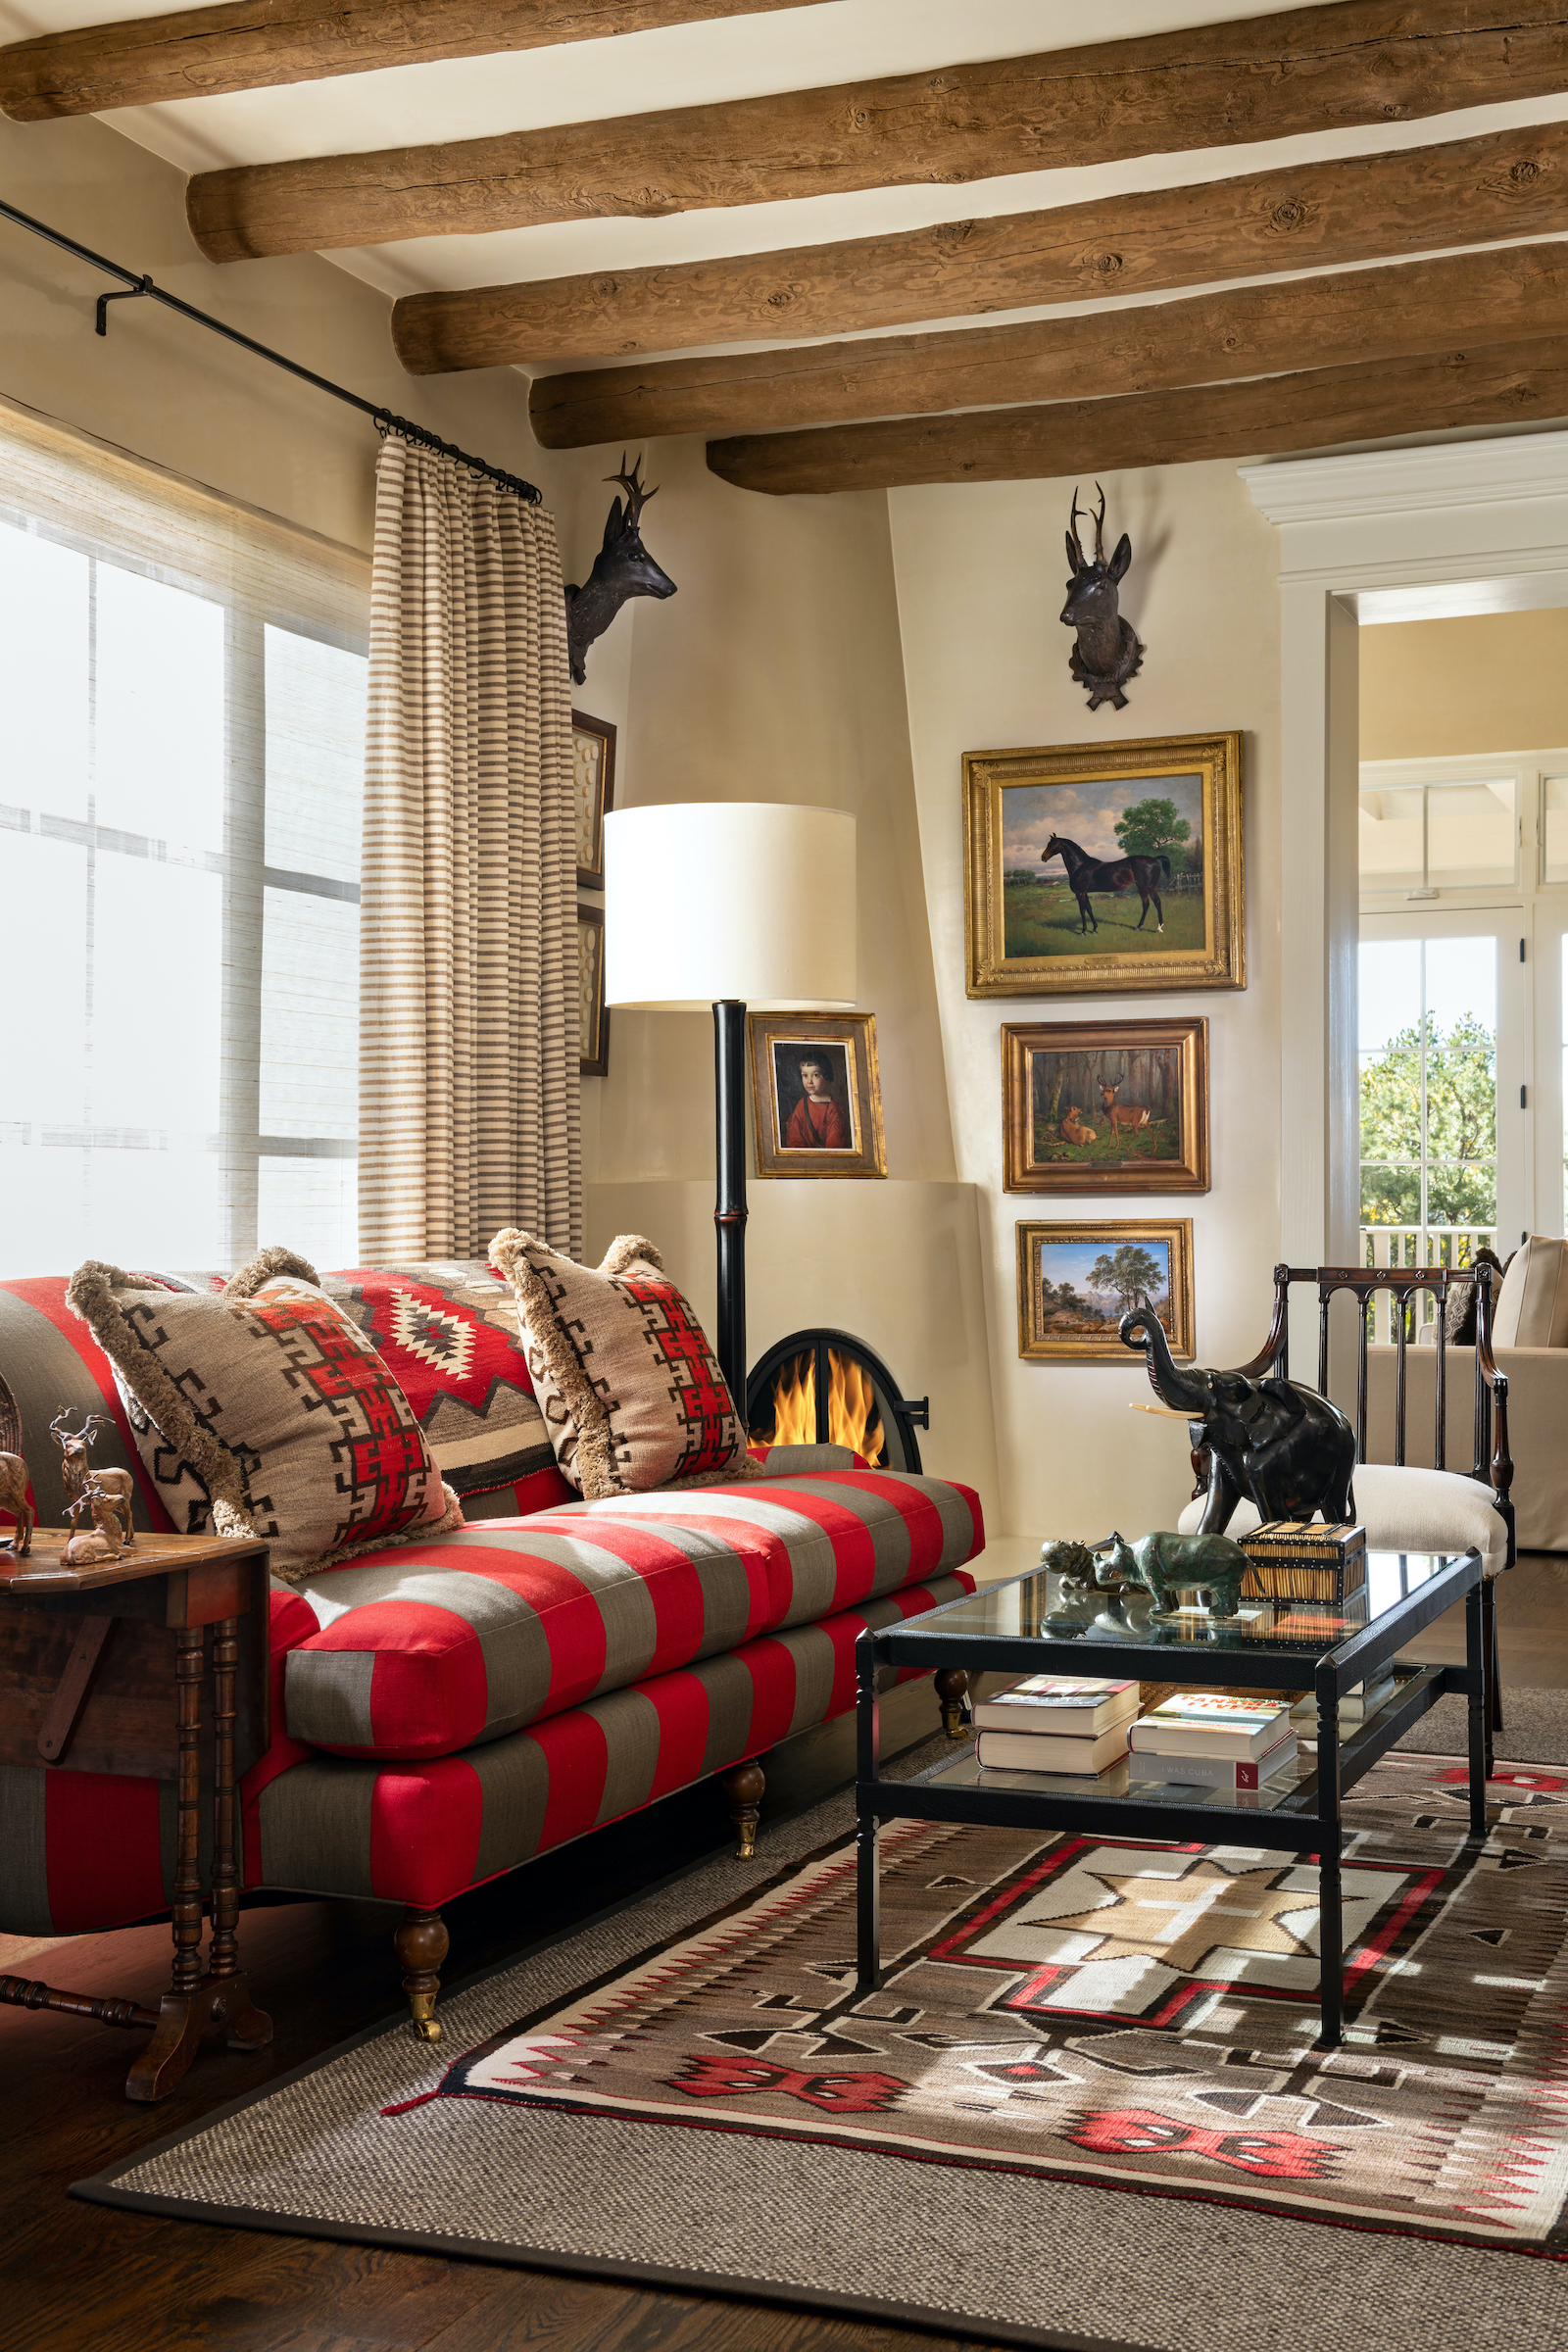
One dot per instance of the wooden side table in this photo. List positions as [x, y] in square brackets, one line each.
[103, 1669]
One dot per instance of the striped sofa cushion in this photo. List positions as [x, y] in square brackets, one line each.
[441, 1645]
[421, 1833]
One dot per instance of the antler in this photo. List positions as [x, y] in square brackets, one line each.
[1072, 524]
[55, 1428]
[636, 496]
[1099, 527]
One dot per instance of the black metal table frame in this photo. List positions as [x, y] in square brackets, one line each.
[1308, 1821]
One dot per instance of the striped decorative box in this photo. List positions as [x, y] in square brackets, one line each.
[1292, 1559]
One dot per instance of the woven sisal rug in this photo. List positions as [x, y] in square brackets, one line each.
[1085, 2110]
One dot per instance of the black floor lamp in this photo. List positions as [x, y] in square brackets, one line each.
[732, 904]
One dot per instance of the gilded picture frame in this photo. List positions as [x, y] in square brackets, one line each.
[593, 1018]
[816, 1096]
[593, 769]
[1157, 905]
[1076, 1280]
[1105, 1106]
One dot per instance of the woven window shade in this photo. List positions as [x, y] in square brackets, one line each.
[183, 679]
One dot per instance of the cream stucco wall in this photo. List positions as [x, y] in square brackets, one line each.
[980, 571]
[1432, 688]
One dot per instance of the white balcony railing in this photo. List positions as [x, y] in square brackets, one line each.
[1419, 1245]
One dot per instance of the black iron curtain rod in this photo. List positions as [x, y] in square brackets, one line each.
[382, 419]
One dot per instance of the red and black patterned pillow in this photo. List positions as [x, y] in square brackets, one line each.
[447, 1332]
[633, 1394]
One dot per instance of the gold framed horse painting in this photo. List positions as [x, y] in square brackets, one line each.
[1089, 870]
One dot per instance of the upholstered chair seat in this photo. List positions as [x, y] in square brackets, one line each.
[1405, 1509]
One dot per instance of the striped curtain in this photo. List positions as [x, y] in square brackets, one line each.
[469, 1022]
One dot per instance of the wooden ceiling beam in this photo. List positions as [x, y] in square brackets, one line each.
[1507, 184]
[1214, 85]
[264, 44]
[1397, 312]
[1522, 384]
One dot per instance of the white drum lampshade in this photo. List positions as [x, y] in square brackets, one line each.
[713, 900]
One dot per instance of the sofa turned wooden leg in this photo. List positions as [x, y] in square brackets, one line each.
[745, 1787]
[421, 1941]
[953, 1689]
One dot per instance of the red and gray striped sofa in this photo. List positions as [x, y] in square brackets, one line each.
[443, 1711]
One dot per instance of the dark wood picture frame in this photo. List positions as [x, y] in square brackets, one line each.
[593, 764]
[1023, 929]
[1049, 1333]
[779, 1041]
[1158, 1073]
[593, 1018]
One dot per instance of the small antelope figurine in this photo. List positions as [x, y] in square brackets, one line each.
[1108, 651]
[622, 568]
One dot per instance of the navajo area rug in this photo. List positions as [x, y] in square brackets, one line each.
[1085, 2111]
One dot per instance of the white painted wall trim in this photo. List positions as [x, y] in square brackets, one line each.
[1482, 511]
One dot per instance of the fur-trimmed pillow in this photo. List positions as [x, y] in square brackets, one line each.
[267, 1400]
[633, 1398]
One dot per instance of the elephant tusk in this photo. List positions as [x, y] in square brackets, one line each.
[1168, 1412]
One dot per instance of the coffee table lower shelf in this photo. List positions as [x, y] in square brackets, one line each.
[1296, 1815]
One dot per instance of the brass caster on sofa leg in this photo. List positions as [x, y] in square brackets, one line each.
[745, 1787]
[421, 1942]
[952, 1688]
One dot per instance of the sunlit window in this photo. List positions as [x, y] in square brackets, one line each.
[179, 832]
[1429, 1098]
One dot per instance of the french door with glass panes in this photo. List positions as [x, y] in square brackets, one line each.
[1446, 1115]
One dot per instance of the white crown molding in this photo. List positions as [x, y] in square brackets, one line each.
[1402, 481]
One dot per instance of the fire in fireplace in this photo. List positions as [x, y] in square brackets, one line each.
[822, 1388]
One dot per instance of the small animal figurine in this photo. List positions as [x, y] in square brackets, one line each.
[622, 568]
[1167, 1566]
[78, 1472]
[106, 1538]
[1108, 651]
[1073, 1128]
[14, 1476]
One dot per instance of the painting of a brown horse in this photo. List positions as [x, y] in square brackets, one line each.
[1116, 874]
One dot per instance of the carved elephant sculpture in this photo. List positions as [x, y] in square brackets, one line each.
[1280, 1445]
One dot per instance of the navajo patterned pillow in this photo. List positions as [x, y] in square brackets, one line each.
[447, 1332]
[632, 1396]
[275, 1402]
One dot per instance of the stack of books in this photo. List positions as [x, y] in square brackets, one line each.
[1292, 1559]
[1215, 1739]
[1055, 1723]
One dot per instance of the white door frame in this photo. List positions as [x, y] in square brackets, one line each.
[1451, 528]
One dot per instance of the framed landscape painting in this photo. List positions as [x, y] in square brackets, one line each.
[1077, 1281]
[1090, 870]
[1105, 1106]
[593, 1021]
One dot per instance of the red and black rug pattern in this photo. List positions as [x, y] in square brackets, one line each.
[1141, 2016]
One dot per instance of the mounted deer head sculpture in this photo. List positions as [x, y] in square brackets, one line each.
[1108, 651]
[622, 568]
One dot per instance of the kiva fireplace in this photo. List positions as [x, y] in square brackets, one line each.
[820, 1388]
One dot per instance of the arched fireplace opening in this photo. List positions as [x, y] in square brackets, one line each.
[826, 1387]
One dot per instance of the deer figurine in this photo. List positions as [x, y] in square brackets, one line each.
[1108, 651]
[78, 1474]
[622, 568]
[14, 1476]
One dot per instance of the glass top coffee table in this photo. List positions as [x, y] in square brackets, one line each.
[1038, 1624]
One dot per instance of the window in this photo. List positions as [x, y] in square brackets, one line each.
[184, 687]
[1458, 834]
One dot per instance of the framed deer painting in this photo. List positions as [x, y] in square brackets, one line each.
[1092, 871]
[1105, 1106]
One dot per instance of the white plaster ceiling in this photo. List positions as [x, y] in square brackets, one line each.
[836, 40]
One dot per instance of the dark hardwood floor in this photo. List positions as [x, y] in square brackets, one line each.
[73, 2276]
